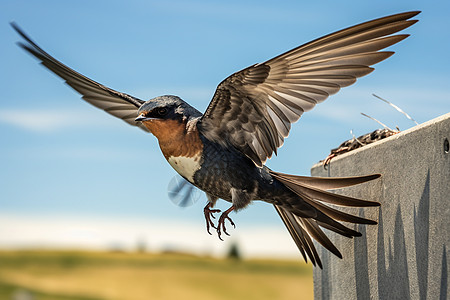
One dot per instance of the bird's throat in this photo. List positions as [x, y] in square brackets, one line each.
[174, 138]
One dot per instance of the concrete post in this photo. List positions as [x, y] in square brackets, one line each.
[405, 255]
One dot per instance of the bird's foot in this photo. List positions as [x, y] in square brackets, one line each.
[208, 215]
[221, 225]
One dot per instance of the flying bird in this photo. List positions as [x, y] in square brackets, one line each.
[223, 151]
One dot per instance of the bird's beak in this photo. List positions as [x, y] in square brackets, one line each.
[141, 118]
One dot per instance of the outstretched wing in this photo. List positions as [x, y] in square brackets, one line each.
[253, 109]
[118, 104]
[181, 192]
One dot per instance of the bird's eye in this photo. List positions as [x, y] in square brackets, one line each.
[162, 111]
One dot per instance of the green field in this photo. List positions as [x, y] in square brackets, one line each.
[70, 275]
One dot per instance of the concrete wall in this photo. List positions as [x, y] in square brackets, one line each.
[405, 256]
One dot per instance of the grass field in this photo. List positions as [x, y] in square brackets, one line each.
[70, 275]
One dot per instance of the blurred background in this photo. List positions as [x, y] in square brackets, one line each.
[75, 179]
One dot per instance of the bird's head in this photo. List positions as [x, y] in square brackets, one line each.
[161, 108]
[165, 112]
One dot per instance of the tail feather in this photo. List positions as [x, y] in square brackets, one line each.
[325, 183]
[327, 215]
[303, 231]
[313, 188]
[344, 232]
[310, 190]
[296, 232]
[337, 214]
[317, 233]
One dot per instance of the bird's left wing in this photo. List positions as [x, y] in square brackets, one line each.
[118, 104]
[253, 109]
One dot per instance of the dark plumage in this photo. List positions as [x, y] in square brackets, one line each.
[223, 151]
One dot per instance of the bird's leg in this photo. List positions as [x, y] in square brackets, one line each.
[221, 225]
[208, 214]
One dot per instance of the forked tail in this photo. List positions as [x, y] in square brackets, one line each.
[313, 191]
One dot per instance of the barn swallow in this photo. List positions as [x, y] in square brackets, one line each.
[223, 151]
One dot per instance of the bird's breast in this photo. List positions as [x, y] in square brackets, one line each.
[186, 166]
[180, 145]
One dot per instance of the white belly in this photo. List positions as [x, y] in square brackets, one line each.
[185, 166]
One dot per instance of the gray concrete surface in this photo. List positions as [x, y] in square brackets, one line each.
[406, 255]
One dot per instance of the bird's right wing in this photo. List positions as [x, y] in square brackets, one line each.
[118, 104]
[253, 109]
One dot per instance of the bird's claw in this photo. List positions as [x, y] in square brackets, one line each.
[208, 215]
[221, 224]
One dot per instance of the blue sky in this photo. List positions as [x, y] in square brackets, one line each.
[62, 157]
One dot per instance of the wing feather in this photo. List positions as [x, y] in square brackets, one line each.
[115, 103]
[274, 94]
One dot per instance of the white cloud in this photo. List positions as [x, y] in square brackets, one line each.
[22, 231]
[53, 120]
